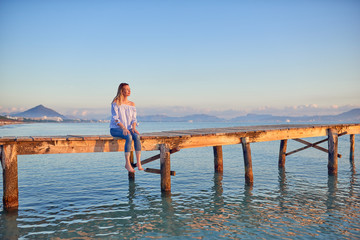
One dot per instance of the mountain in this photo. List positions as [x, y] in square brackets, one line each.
[39, 112]
[352, 115]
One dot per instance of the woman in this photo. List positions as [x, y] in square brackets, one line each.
[123, 124]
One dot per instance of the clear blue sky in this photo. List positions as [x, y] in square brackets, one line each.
[204, 55]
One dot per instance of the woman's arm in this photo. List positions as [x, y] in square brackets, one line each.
[134, 120]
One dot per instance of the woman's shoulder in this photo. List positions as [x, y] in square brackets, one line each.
[131, 104]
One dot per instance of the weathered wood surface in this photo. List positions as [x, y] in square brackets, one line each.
[10, 176]
[309, 145]
[312, 145]
[165, 168]
[156, 157]
[282, 153]
[218, 159]
[333, 152]
[249, 178]
[174, 139]
[158, 171]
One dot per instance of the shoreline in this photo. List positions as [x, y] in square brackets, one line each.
[10, 123]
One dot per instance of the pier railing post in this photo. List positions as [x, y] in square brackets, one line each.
[165, 168]
[249, 178]
[10, 176]
[282, 153]
[218, 159]
[333, 151]
[352, 148]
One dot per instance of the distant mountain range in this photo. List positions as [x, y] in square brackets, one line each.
[351, 116]
[189, 118]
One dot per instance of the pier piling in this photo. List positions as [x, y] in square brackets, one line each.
[249, 178]
[165, 168]
[10, 176]
[333, 151]
[218, 159]
[282, 153]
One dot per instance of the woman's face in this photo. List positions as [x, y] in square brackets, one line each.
[126, 90]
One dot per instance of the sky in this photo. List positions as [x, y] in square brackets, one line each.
[225, 58]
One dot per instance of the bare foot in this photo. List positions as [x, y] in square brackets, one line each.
[139, 167]
[129, 168]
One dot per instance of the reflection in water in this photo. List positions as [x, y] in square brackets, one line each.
[217, 190]
[9, 220]
[289, 211]
[282, 187]
[331, 193]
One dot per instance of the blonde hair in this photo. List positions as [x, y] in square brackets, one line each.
[118, 99]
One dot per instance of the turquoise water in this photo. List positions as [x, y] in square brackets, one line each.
[89, 196]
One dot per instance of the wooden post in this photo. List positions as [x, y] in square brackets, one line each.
[333, 151]
[282, 153]
[352, 147]
[10, 176]
[131, 175]
[165, 168]
[218, 159]
[249, 179]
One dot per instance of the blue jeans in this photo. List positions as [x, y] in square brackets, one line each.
[118, 132]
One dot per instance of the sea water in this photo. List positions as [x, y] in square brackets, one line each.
[89, 196]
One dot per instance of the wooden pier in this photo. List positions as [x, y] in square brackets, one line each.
[168, 142]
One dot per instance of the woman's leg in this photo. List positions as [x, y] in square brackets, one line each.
[128, 140]
[138, 160]
[127, 163]
[137, 146]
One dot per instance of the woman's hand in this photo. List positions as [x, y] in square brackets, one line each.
[126, 132]
[134, 130]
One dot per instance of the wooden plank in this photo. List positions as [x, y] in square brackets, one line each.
[107, 137]
[55, 147]
[7, 139]
[312, 145]
[58, 138]
[42, 138]
[152, 170]
[75, 138]
[85, 137]
[24, 139]
[333, 149]
[156, 157]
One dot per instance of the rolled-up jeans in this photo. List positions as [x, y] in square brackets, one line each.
[118, 132]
